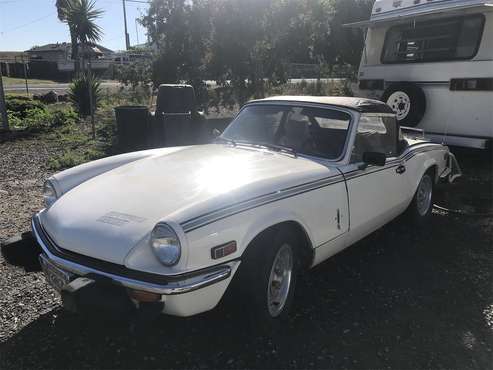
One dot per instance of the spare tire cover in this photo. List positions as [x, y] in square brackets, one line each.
[408, 101]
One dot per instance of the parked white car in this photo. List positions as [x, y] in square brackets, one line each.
[290, 182]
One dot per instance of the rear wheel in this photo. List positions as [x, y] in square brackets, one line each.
[421, 206]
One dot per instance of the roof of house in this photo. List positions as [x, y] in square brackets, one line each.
[11, 55]
[62, 46]
[361, 105]
[50, 47]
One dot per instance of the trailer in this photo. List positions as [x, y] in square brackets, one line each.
[431, 61]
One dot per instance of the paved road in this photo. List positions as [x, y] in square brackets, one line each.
[57, 87]
[63, 87]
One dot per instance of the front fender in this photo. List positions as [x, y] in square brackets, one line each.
[242, 228]
[268, 220]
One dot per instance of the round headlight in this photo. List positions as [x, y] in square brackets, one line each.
[49, 194]
[166, 245]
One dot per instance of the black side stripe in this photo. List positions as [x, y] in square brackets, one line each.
[310, 183]
[248, 204]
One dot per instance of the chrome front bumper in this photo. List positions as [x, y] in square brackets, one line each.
[179, 284]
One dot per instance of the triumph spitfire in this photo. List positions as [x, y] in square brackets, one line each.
[289, 183]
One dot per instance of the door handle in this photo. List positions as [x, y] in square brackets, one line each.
[401, 169]
[338, 219]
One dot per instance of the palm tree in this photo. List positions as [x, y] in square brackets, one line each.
[80, 16]
[62, 8]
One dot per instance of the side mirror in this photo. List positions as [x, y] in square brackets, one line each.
[374, 158]
[216, 133]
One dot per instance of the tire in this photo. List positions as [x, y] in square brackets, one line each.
[408, 101]
[266, 300]
[420, 209]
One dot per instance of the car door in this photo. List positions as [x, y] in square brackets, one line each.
[376, 194]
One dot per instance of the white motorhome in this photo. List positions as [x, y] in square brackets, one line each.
[432, 62]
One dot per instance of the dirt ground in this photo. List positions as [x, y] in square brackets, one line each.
[402, 298]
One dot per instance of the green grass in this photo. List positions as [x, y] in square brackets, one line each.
[76, 144]
[9, 81]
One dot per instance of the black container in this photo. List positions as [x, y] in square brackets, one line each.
[177, 121]
[132, 127]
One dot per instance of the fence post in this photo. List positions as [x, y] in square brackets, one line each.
[91, 98]
[3, 106]
[25, 76]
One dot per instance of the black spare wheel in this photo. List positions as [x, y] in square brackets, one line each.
[407, 101]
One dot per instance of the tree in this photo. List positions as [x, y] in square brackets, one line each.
[348, 43]
[242, 43]
[80, 16]
[62, 8]
[179, 29]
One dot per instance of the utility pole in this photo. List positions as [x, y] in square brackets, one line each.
[137, 31]
[3, 106]
[127, 37]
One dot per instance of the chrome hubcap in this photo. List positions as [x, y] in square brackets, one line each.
[423, 196]
[280, 280]
[400, 104]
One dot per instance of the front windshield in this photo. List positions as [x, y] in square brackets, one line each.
[307, 130]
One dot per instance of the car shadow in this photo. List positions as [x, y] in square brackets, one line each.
[402, 298]
[22, 251]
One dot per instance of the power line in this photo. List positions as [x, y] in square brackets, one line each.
[27, 24]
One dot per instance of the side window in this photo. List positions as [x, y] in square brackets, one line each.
[375, 134]
[436, 40]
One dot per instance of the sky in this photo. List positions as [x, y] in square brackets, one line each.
[25, 23]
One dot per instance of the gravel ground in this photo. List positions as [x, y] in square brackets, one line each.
[402, 298]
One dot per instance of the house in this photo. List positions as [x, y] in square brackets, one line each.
[61, 52]
[55, 60]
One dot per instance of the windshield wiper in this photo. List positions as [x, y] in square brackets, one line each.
[273, 147]
[225, 140]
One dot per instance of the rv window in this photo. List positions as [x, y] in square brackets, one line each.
[432, 41]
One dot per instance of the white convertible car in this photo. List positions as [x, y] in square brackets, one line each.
[289, 183]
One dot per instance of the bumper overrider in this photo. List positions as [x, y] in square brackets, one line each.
[181, 295]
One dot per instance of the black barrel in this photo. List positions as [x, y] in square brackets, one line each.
[132, 127]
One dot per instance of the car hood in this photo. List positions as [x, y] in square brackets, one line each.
[107, 215]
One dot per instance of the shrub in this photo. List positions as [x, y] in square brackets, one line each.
[79, 93]
[37, 119]
[62, 117]
[74, 158]
[20, 105]
[42, 118]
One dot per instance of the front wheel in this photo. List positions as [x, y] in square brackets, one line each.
[269, 277]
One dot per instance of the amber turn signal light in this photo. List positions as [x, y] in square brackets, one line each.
[223, 250]
[141, 296]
